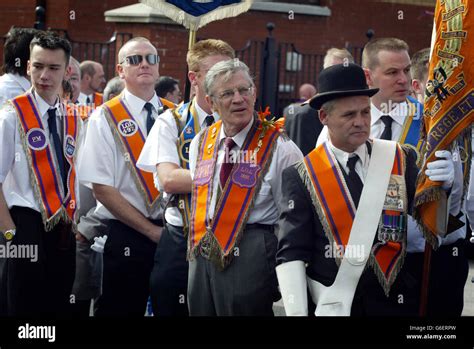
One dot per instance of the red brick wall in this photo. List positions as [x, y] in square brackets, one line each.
[348, 23]
[89, 23]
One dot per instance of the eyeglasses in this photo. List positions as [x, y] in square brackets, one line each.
[229, 94]
[137, 59]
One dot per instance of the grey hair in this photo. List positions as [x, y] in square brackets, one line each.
[328, 106]
[225, 69]
[114, 86]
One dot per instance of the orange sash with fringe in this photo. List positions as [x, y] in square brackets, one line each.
[46, 179]
[336, 210]
[223, 232]
[131, 140]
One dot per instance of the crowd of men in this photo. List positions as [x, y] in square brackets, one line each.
[126, 195]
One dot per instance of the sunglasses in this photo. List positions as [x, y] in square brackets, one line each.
[137, 59]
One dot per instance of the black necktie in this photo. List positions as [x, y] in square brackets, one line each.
[209, 120]
[387, 131]
[356, 184]
[88, 100]
[53, 131]
[149, 120]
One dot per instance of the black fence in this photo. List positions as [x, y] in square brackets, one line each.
[103, 52]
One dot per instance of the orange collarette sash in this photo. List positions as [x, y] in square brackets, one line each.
[86, 110]
[98, 99]
[332, 200]
[45, 177]
[216, 238]
[131, 140]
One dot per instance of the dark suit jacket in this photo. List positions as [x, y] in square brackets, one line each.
[301, 237]
[303, 126]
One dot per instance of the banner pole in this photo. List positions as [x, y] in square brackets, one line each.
[187, 88]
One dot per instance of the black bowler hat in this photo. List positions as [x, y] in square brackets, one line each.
[341, 80]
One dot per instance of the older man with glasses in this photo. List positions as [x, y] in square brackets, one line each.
[127, 198]
[236, 165]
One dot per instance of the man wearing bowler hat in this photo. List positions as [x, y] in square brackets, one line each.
[344, 208]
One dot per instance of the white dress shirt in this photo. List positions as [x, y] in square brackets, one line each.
[362, 165]
[265, 209]
[103, 161]
[12, 85]
[14, 166]
[161, 147]
[82, 99]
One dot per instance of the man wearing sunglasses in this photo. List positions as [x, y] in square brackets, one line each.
[166, 152]
[127, 198]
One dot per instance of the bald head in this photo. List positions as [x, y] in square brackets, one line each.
[307, 91]
[131, 44]
[92, 77]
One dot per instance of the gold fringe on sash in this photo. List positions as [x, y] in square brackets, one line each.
[61, 214]
[303, 173]
[372, 262]
[216, 254]
[150, 207]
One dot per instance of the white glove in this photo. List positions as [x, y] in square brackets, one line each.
[99, 243]
[442, 170]
[292, 280]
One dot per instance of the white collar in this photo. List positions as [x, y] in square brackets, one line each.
[343, 156]
[43, 106]
[136, 104]
[239, 138]
[202, 114]
[398, 113]
[83, 98]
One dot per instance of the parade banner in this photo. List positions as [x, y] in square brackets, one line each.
[448, 109]
[196, 14]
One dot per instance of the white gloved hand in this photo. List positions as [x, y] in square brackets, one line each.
[442, 170]
[292, 281]
[99, 243]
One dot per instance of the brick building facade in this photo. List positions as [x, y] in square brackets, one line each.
[342, 23]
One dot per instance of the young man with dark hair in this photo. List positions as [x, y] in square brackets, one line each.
[38, 188]
[167, 87]
[16, 53]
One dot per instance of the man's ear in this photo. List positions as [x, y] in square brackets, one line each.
[368, 78]
[192, 77]
[119, 69]
[210, 102]
[68, 72]
[323, 117]
[28, 68]
[416, 85]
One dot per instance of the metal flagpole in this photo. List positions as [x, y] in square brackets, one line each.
[187, 88]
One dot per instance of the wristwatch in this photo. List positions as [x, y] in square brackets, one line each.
[9, 234]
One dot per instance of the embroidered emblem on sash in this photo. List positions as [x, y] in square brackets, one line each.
[36, 139]
[127, 127]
